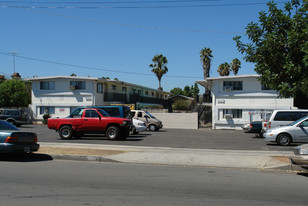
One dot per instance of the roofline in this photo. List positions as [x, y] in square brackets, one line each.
[93, 79]
[233, 77]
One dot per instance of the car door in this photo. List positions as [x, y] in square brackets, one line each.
[301, 132]
[91, 121]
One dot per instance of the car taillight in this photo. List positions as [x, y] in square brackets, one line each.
[269, 124]
[250, 125]
[11, 139]
[35, 139]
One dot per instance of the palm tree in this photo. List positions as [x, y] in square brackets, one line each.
[224, 69]
[159, 67]
[235, 65]
[205, 58]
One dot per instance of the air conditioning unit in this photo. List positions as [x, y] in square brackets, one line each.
[72, 87]
[228, 88]
[228, 116]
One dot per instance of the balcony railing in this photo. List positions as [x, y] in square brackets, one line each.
[132, 98]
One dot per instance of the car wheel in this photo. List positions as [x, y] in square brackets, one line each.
[132, 131]
[284, 139]
[152, 127]
[66, 132]
[112, 133]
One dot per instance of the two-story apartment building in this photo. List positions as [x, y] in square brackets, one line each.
[60, 95]
[237, 100]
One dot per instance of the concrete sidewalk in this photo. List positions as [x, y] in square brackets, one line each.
[169, 156]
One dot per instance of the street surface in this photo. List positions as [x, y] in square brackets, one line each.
[82, 183]
[175, 138]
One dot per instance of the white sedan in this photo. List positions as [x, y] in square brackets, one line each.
[139, 126]
[295, 132]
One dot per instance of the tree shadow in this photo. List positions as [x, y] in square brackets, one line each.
[24, 157]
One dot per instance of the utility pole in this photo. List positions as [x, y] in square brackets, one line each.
[13, 54]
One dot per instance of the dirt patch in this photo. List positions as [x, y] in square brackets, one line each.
[282, 159]
[78, 151]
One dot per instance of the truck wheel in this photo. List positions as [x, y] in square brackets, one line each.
[152, 127]
[112, 133]
[66, 132]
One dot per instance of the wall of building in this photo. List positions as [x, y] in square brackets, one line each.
[178, 120]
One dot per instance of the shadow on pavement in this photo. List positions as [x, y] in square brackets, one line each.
[33, 157]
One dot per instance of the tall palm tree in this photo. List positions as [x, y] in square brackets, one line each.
[224, 69]
[235, 65]
[205, 58]
[159, 67]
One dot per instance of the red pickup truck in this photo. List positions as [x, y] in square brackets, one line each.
[90, 121]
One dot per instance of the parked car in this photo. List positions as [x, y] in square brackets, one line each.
[152, 123]
[13, 116]
[253, 127]
[295, 132]
[301, 157]
[138, 126]
[283, 117]
[12, 140]
[115, 111]
[90, 121]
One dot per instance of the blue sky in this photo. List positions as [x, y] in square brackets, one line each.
[108, 41]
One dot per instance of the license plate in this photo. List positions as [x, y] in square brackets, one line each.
[27, 149]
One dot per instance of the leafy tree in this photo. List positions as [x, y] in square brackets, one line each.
[73, 75]
[205, 58]
[187, 91]
[159, 67]
[278, 45]
[14, 93]
[235, 65]
[224, 69]
[195, 90]
[176, 91]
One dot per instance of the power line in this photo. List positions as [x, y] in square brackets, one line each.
[137, 7]
[92, 68]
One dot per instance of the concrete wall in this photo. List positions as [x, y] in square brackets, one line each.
[178, 120]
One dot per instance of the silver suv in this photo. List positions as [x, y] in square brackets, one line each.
[152, 123]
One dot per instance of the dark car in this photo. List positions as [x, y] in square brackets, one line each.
[13, 116]
[12, 140]
[253, 127]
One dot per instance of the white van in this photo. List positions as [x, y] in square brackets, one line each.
[283, 117]
[152, 123]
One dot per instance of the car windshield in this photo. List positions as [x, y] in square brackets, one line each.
[102, 112]
[4, 125]
[150, 115]
[297, 121]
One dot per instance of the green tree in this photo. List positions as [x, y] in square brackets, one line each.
[176, 91]
[205, 58]
[224, 69]
[73, 75]
[195, 90]
[187, 91]
[235, 65]
[159, 67]
[14, 93]
[278, 46]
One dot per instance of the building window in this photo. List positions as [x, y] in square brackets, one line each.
[114, 87]
[47, 85]
[139, 92]
[100, 88]
[152, 94]
[47, 110]
[134, 91]
[124, 89]
[234, 113]
[78, 84]
[265, 87]
[233, 85]
[146, 93]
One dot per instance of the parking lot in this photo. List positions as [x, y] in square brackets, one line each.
[174, 138]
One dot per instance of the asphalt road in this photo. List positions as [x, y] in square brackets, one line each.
[175, 138]
[83, 183]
